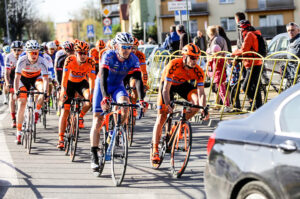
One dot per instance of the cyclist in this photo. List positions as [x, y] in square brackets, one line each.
[129, 78]
[51, 50]
[6, 51]
[114, 66]
[109, 46]
[68, 48]
[175, 79]
[76, 70]
[31, 71]
[58, 47]
[94, 53]
[10, 66]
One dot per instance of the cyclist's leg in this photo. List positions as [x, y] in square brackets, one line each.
[12, 105]
[40, 100]
[22, 100]
[120, 96]
[134, 95]
[97, 121]
[85, 92]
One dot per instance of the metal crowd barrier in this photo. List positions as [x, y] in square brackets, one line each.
[271, 80]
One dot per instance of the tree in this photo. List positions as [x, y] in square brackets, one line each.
[152, 32]
[115, 29]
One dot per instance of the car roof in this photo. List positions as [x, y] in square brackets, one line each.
[263, 119]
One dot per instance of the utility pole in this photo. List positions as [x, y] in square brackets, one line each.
[7, 27]
[188, 20]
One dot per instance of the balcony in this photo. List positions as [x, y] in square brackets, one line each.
[272, 5]
[198, 9]
[269, 32]
[109, 2]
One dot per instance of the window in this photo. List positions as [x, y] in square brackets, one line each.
[283, 44]
[226, 1]
[228, 23]
[262, 4]
[289, 118]
[270, 20]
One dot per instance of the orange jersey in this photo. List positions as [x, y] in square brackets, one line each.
[143, 66]
[94, 54]
[177, 74]
[76, 73]
[101, 53]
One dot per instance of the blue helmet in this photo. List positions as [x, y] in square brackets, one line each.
[6, 49]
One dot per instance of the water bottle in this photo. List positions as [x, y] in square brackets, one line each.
[111, 135]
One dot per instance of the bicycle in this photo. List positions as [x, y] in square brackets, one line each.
[129, 126]
[114, 148]
[177, 140]
[72, 130]
[29, 126]
[45, 110]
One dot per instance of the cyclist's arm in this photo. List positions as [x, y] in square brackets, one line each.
[103, 81]
[17, 81]
[92, 77]
[137, 75]
[166, 92]
[66, 73]
[201, 96]
[46, 83]
[7, 71]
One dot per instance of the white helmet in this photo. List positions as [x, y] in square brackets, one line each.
[65, 43]
[51, 44]
[124, 38]
[32, 45]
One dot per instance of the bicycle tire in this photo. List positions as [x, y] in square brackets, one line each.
[130, 127]
[181, 149]
[74, 137]
[119, 154]
[102, 149]
[30, 130]
[44, 119]
[67, 137]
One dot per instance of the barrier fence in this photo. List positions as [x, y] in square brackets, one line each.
[245, 88]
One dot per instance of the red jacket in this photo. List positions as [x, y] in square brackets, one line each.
[250, 44]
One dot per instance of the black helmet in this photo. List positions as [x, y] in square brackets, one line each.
[16, 44]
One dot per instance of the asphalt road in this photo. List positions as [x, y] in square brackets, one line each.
[48, 173]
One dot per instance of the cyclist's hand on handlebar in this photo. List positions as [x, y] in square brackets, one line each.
[105, 103]
[144, 105]
[169, 109]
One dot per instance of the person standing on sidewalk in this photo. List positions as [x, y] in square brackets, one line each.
[200, 40]
[183, 36]
[172, 41]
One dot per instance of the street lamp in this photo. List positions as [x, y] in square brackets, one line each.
[7, 28]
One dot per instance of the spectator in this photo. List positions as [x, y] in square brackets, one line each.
[141, 42]
[172, 41]
[238, 17]
[151, 41]
[200, 40]
[183, 36]
[294, 48]
[223, 34]
[215, 39]
[250, 43]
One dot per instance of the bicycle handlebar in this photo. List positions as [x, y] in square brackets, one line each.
[32, 92]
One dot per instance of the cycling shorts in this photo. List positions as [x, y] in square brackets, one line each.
[26, 83]
[184, 90]
[73, 87]
[59, 76]
[115, 92]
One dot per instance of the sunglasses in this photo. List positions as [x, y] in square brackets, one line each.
[17, 50]
[194, 57]
[82, 53]
[33, 53]
[126, 47]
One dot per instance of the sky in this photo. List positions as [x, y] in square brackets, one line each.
[59, 10]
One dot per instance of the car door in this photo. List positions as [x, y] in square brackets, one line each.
[287, 141]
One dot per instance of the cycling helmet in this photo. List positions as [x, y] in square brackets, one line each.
[56, 42]
[68, 47]
[136, 42]
[6, 49]
[244, 24]
[51, 44]
[32, 45]
[42, 49]
[76, 41]
[124, 38]
[65, 43]
[81, 46]
[16, 44]
[191, 49]
[100, 44]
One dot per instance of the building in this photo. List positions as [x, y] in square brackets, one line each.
[297, 12]
[65, 31]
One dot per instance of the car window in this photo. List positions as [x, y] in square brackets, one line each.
[289, 117]
[272, 47]
[148, 51]
[282, 44]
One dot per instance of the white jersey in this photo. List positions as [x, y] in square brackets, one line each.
[28, 70]
[58, 55]
[49, 64]
[10, 61]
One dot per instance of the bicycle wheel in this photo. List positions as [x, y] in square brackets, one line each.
[45, 119]
[119, 155]
[181, 149]
[74, 136]
[102, 149]
[30, 130]
[67, 137]
[130, 126]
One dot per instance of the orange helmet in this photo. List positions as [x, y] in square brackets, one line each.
[135, 42]
[100, 44]
[56, 42]
[76, 41]
[191, 49]
[82, 46]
